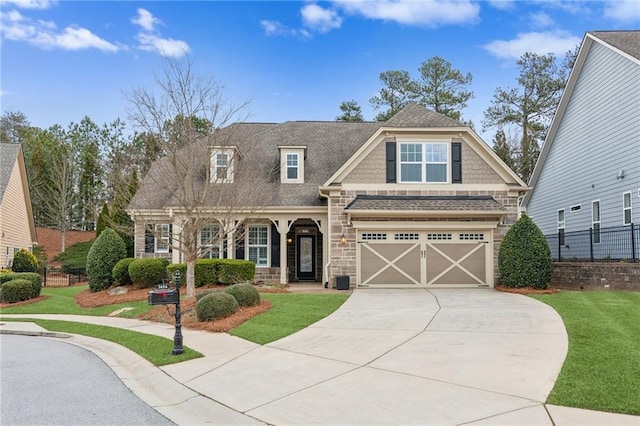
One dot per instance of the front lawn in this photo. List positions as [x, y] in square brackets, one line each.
[289, 313]
[602, 369]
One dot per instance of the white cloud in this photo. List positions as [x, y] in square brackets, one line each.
[411, 12]
[145, 19]
[151, 41]
[276, 28]
[540, 20]
[320, 19]
[45, 35]
[556, 42]
[29, 4]
[624, 11]
[164, 46]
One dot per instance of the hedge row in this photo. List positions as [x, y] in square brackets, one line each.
[19, 286]
[214, 271]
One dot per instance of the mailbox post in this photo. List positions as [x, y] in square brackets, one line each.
[163, 295]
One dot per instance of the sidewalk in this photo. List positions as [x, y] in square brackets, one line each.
[385, 357]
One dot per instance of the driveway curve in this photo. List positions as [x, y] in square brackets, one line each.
[406, 356]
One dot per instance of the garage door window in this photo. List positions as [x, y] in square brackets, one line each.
[406, 236]
[473, 237]
[372, 236]
[438, 236]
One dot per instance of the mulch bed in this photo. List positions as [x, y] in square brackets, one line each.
[526, 290]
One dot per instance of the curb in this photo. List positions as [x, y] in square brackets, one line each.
[36, 333]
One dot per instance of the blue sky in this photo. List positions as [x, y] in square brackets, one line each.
[293, 60]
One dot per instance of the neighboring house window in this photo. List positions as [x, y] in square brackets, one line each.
[292, 166]
[258, 244]
[162, 237]
[424, 162]
[595, 221]
[561, 224]
[210, 242]
[222, 166]
[626, 208]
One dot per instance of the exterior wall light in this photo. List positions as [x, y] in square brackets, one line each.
[343, 239]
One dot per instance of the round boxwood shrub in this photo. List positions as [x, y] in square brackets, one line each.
[206, 292]
[33, 277]
[16, 291]
[120, 272]
[245, 294]
[146, 273]
[103, 255]
[524, 259]
[24, 261]
[216, 305]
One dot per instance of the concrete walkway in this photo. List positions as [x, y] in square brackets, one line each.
[445, 357]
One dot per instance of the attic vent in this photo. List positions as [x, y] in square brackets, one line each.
[575, 208]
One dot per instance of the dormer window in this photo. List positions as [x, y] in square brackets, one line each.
[222, 165]
[292, 164]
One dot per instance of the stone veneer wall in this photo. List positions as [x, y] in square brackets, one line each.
[596, 276]
[269, 275]
[343, 256]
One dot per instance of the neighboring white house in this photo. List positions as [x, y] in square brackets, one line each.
[17, 228]
[419, 201]
[588, 173]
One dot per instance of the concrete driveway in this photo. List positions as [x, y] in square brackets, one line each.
[459, 356]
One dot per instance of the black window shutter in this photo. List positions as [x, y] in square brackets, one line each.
[275, 246]
[170, 236]
[456, 162]
[149, 239]
[239, 242]
[391, 162]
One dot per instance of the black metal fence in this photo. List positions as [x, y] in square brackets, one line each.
[58, 277]
[620, 244]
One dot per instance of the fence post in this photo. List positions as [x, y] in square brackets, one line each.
[44, 276]
[591, 243]
[633, 244]
[559, 248]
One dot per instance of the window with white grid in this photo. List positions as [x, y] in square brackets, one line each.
[373, 236]
[439, 236]
[406, 236]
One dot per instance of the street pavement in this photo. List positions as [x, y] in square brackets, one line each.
[48, 382]
[405, 356]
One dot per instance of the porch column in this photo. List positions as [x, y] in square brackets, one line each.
[283, 225]
[323, 227]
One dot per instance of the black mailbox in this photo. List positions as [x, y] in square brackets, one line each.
[163, 295]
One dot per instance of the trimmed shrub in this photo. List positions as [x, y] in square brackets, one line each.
[232, 271]
[74, 258]
[245, 294]
[16, 291]
[216, 305]
[146, 273]
[120, 272]
[206, 292]
[34, 278]
[524, 259]
[6, 275]
[206, 272]
[105, 252]
[24, 261]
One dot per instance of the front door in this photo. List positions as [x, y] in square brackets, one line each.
[306, 257]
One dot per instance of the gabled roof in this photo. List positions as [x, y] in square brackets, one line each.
[415, 115]
[625, 43]
[8, 157]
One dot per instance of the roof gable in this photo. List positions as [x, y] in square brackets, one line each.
[8, 156]
[415, 115]
[624, 43]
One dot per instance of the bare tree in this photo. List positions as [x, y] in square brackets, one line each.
[210, 173]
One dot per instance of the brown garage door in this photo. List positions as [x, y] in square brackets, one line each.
[423, 258]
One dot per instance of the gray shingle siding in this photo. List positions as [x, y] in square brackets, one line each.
[599, 136]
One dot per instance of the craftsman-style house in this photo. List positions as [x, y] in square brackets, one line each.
[416, 201]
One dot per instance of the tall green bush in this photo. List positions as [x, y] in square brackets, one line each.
[120, 272]
[148, 272]
[524, 259]
[24, 261]
[105, 252]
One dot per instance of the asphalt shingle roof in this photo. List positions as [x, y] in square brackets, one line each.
[425, 203]
[8, 155]
[627, 41]
[329, 144]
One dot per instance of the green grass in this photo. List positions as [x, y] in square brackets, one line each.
[61, 301]
[289, 313]
[155, 349]
[602, 368]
